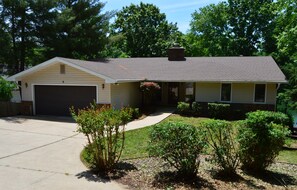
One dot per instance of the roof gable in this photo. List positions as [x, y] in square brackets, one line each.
[55, 61]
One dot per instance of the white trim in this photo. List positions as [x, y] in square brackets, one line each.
[265, 97]
[221, 81]
[54, 61]
[37, 84]
[230, 92]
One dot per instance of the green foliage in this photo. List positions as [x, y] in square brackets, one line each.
[81, 29]
[221, 137]
[33, 31]
[178, 144]
[105, 132]
[146, 31]
[251, 24]
[261, 137]
[233, 28]
[6, 89]
[219, 111]
[133, 112]
[196, 108]
[209, 34]
[183, 108]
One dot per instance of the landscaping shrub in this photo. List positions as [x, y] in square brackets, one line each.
[196, 108]
[133, 112]
[105, 132]
[261, 137]
[183, 108]
[221, 137]
[178, 144]
[219, 111]
[6, 88]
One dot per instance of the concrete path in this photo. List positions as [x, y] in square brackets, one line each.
[39, 154]
[152, 119]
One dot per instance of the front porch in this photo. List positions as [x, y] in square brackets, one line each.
[171, 93]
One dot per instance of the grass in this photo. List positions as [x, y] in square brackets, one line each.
[137, 140]
[288, 156]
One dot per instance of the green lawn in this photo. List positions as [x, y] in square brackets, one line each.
[137, 140]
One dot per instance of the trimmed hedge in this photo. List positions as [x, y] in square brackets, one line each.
[219, 111]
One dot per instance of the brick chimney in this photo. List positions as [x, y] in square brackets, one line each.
[176, 53]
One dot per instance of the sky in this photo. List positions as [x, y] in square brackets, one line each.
[177, 11]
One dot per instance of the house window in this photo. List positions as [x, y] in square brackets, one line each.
[62, 69]
[189, 96]
[260, 93]
[226, 92]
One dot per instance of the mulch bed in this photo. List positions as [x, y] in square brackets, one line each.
[153, 173]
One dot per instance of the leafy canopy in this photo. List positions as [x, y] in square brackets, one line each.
[146, 31]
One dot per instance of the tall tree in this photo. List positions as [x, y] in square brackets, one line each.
[210, 34]
[250, 22]
[146, 31]
[81, 29]
[286, 53]
[17, 28]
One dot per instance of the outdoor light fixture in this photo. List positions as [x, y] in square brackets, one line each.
[103, 86]
[26, 85]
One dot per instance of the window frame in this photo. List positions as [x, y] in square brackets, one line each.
[231, 90]
[265, 95]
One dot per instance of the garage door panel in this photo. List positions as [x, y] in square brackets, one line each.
[56, 100]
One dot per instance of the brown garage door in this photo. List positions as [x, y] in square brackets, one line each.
[56, 100]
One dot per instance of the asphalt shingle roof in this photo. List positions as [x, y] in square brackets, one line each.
[203, 69]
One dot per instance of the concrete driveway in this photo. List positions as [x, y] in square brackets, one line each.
[41, 154]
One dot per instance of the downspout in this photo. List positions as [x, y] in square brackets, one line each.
[278, 86]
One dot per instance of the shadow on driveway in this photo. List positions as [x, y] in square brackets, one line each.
[22, 119]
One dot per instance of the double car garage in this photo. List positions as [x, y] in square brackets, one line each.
[57, 99]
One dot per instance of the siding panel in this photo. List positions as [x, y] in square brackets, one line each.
[51, 75]
[207, 92]
[125, 94]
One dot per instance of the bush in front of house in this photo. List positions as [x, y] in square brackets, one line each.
[133, 112]
[196, 108]
[261, 137]
[221, 137]
[104, 129]
[219, 111]
[184, 108]
[179, 145]
[6, 88]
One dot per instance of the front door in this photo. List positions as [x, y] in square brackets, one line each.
[173, 93]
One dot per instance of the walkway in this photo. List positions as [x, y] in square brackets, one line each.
[152, 119]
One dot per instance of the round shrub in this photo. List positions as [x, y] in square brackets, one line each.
[179, 145]
[183, 108]
[261, 137]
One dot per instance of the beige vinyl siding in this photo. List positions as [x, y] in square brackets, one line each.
[241, 92]
[207, 92]
[51, 76]
[271, 92]
[125, 94]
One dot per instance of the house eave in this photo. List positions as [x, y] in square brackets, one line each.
[19, 76]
